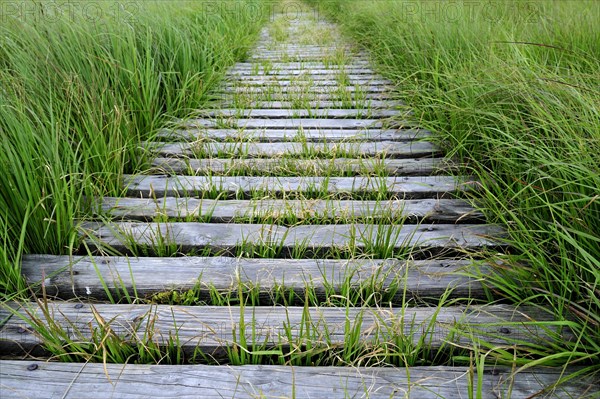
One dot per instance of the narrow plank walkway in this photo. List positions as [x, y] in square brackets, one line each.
[311, 203]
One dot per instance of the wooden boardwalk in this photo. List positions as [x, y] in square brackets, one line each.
[313, 194]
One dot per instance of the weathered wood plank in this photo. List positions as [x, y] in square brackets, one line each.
[353, 63]
[406, 187]
[300, 240]
[330, 73]
[313, 105]
[335, 57]
[300, 97]
[278, 135]
[294, 123]
[303, 167]
[379, 149]
[226, 211]
[211, 329]
[69, 277]
[279, 81]
[92, 381]
[302, 113]
[307, 89]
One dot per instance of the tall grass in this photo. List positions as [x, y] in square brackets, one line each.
[81, 88]
[513, 90]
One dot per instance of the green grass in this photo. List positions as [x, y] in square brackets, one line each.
[512, 89]
[78, 96]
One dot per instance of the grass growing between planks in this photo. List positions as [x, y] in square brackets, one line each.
[78, 96]
[512, 89]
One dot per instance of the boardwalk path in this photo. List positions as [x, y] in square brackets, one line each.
[311, 192]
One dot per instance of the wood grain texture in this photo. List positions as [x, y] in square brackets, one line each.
[211, 329]
[354, 63]
[292, 123]
[303, 167]
[310, 135]
[405, 187]
[361, 105]
[300, 113]
[452, 211]
[302, 82]
[92, 381]
[417, 240]
[335, 90]
[316, 73]
[88, 277]
[299, 98]
[379, 149]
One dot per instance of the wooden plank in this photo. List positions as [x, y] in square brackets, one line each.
[305, 187]
[313, 105]
[301, 82]
[297, 241]
[303, 167]
[309, 89]
[92, 381]
[69, 277]
[299, 56]
[300, 98]
[294, 123]
[260, 69]
[270, 46]
[380, 149]
[353, 63]
[227, 211]
[329, 73]
[278, 135]
[211, 329]
[302, 113]
[405, 187]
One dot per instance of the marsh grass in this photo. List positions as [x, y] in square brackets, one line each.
[78, 97]
[512, 91]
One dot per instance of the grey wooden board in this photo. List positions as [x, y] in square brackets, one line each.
[300, 98]
[258, 69]
[270, 46]
[305, 89]
[401, 187]
[353, 63]
[301, 82]
[226, 211]
[71, 277]
[358, 105]
[301, 113]
[93, 381]
[283, 47]
[303, 167]
[308, 134]
[417, 240]
[257, 72]
[213, 328]
[294, 123]
[299, 57]
[383, 149]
